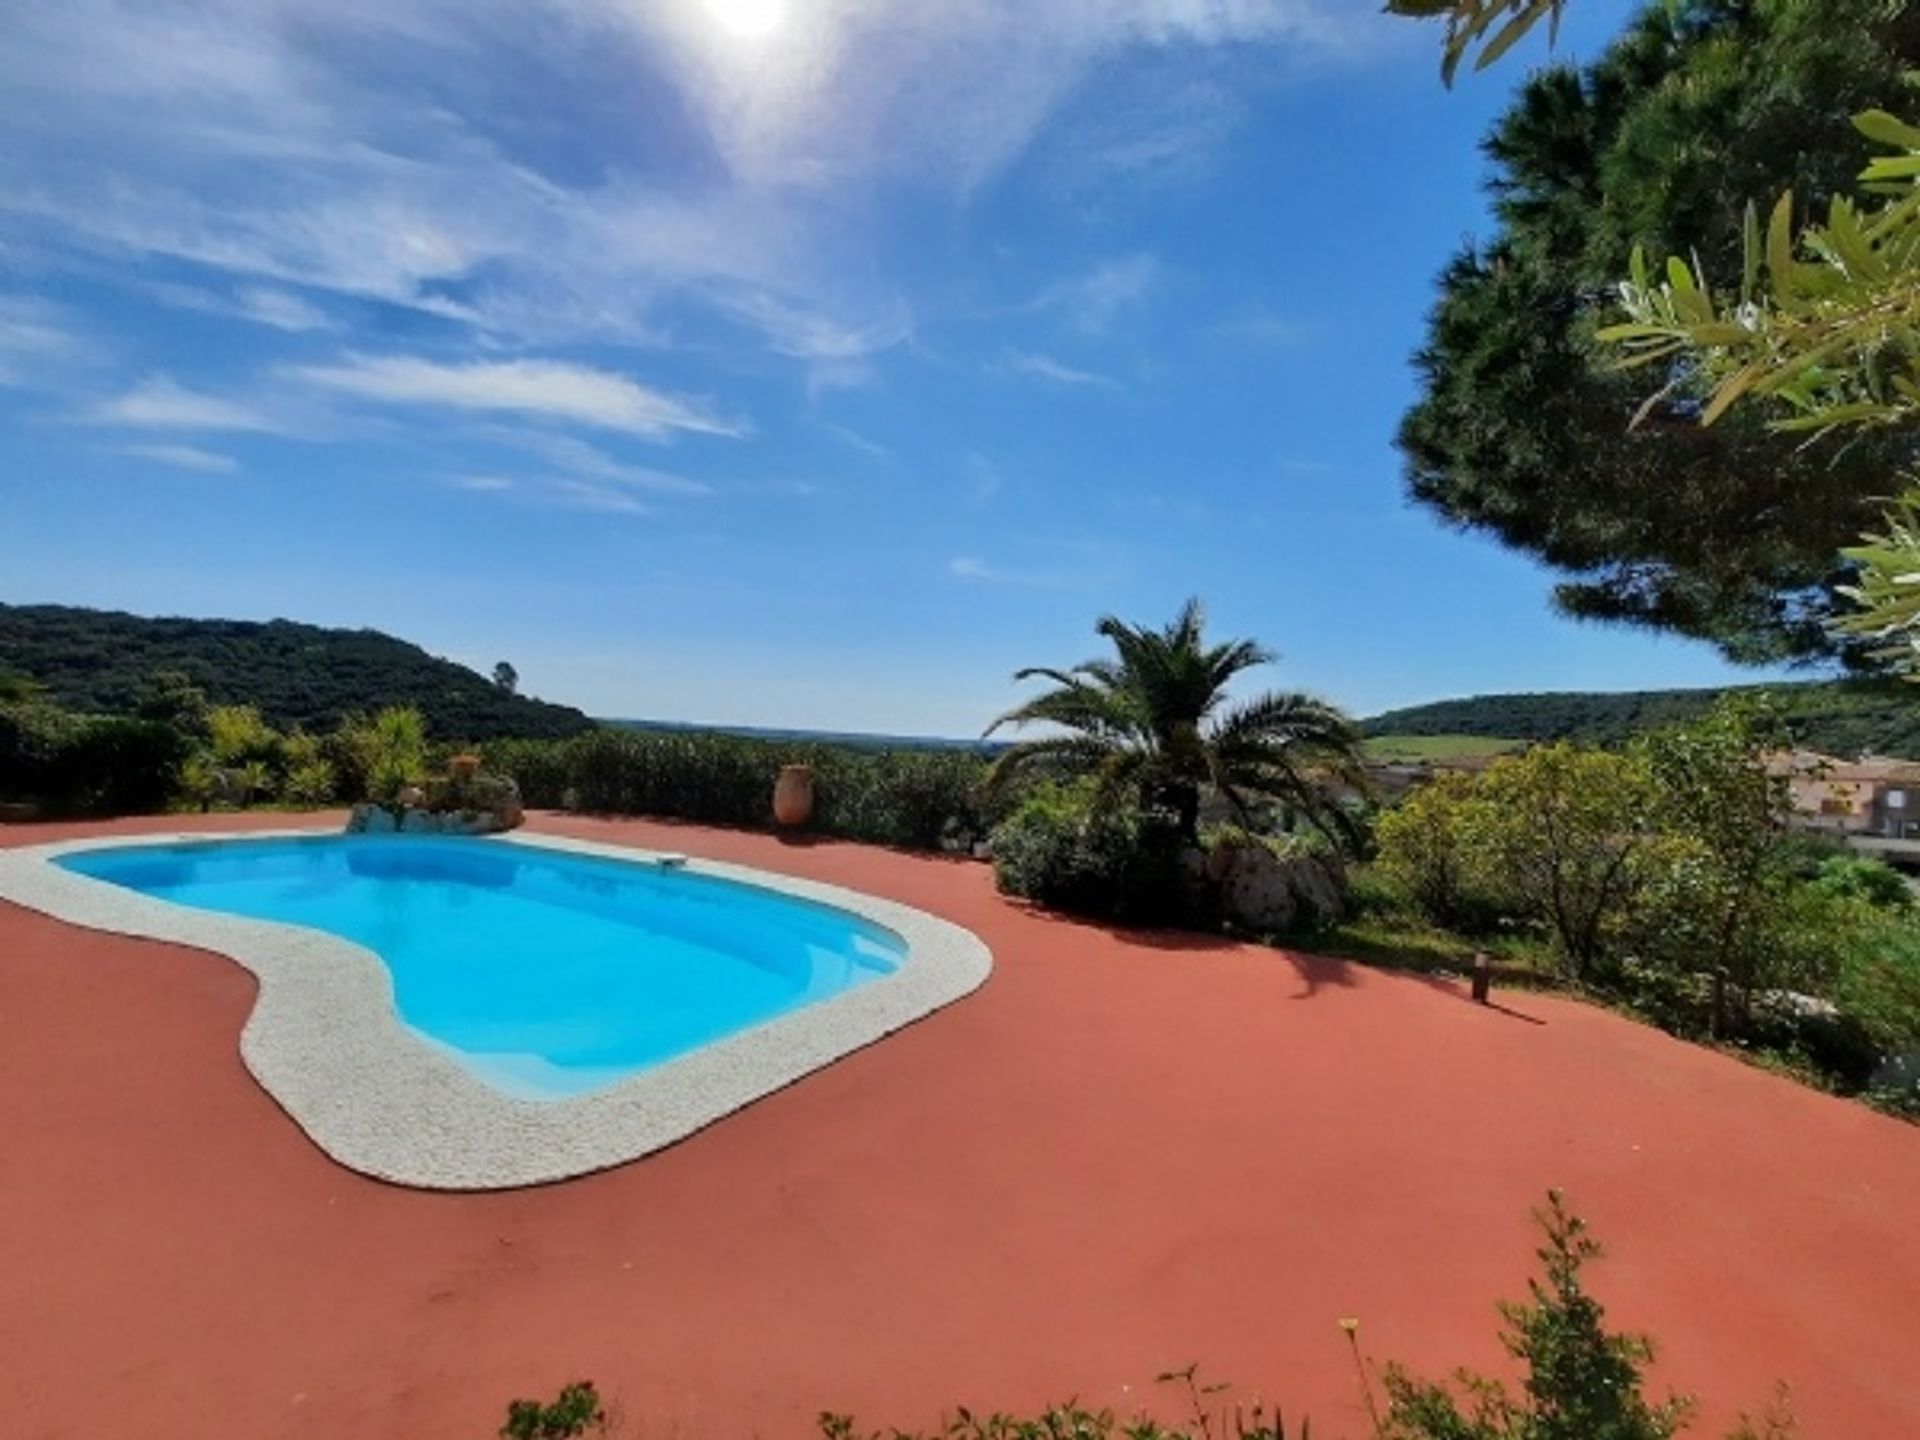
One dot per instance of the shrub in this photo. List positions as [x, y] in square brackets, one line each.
[921, 799]
[376, 759]
[32, 734]
[924, 799]
[112, 765]
[1582, 1381]
[1863, 878]
[87, 765]
[541, 767]
[572, 1413]
[1428, 850]
[1878, 985]
[238, 737]
[1110, 862]
[311, 783]
[1556, 837]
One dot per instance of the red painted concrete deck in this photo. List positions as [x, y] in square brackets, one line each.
[1122, 1155]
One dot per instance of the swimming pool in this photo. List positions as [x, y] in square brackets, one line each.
[547, 974]
[479, 1013]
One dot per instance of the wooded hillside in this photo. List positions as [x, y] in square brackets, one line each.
[101, 661]
[1840, 717]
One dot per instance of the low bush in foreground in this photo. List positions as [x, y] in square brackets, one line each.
[1581, 1381]
[1114, 861]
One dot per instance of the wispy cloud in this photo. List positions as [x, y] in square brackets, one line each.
[601, 499]
[985, 479]
[589, 462]
[250, 136]
[810, 335]
[1045, 367]
[1093, 300]
[1153, 129]
[160, 404]
[552, 492]
[548, 389]
[1101, 569]
[281, 309]
[35, 334]
[847, 435]
[185, 457]
[1260, 328]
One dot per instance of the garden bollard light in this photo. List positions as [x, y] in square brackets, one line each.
[1482, 976]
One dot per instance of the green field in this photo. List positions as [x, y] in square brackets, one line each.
[1417, 749]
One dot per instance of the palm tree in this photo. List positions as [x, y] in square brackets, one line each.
[1155, 722]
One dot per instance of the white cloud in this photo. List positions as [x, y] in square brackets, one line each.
[36, 337]
[1091, 565]
[1093, 300]
[1260, 328]
[588, 461]
[160, 404]
[866, 445]
[943, 94]
[804, 335]
[253, 137]
[185, 457]
[549, 492]
[1045, 367]
[281, 309]
[984, 476]
[601, 499]
[550, 389]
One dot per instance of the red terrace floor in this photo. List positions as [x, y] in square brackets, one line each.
[1122, 1155]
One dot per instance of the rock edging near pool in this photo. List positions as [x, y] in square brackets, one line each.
[324, 1041]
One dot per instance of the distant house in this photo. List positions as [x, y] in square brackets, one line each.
[1874, 796]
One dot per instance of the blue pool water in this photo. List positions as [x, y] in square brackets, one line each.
[547, 973]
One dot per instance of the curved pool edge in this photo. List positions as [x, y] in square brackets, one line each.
[324, 1041]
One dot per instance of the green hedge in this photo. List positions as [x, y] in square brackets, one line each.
[87, 765]
[919, 799]
[1112, 862]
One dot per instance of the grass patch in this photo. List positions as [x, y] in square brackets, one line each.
[1393, 943]
[1428, 749]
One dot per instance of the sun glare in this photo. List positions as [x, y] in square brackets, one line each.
[748, 19]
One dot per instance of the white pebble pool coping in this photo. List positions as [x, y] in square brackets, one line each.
[325, 1042]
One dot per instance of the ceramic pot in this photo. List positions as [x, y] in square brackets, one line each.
[793, 796]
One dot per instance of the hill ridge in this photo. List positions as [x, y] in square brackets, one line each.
[100, 661]
[1843, 717]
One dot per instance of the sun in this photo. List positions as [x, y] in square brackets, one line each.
[748, 19]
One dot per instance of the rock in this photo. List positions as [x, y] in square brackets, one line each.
[379, 820]
[1258, 889]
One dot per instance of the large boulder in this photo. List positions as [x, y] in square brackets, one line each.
[1267, 890]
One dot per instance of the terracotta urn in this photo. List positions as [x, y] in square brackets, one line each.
[463, 767]
[793, 796]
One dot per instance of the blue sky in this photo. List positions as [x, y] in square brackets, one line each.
[736, 360]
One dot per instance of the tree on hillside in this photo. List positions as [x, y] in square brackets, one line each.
[506, 677]
[1732, 534]
[1154, 724]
